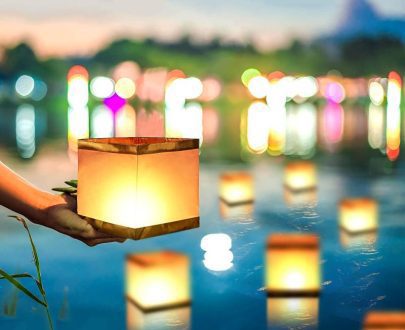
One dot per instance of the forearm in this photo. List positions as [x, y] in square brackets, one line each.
[20, 196]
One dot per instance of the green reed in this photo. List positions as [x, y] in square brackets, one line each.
[13, 278]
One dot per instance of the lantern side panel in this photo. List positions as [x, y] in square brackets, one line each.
[293, 270]
[168, 187]
[108, 187]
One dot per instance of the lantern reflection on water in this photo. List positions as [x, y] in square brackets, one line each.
[158, 280]
[297, 198]
[388, 320]
[173, 318]
[236, 188]
[300, 176]
[361, 241]
[218, 255]
[358, 214]
[292, 265]
[127, 185]
[292, 312]
[238, 211]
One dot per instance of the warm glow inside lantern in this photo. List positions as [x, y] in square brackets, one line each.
[158, 280]
[139, 187]
[178, 318]
[358, 215]
[236, 188]
[292, 265]
[300, 175]
[292, 312]
[387, 320]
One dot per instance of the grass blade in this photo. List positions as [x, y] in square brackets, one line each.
[21, 287]
[72, 183]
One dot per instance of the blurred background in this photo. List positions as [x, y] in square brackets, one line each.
[330, 75]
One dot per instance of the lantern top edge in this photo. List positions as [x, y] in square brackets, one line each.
[138, 145]
[148, 259]
[306, 241]
[358, 201]
[300, 164]
[384, 318]
[236, 175]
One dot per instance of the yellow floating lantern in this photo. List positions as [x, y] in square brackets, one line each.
[139, 187]
[178, 318]
[292, 312]
[379, 320]
[358, 215]
[300, 175]
[158, 280]
[292, 265]
[236, 188]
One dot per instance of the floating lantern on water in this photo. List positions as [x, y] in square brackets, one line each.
[177, 318]
[238, 211]
[236, 188]
[379, 320]
[300, 175]
[139, 187]
[158, 280]
[292, 312]
[292, 265]
[358, 214]
[218, 255]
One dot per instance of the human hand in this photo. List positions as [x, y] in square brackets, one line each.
[61, 216]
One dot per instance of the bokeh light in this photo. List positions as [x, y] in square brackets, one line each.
[24, 85]
[248, 74]
[125, 88]
[102, 87]
[25, 130]
[258, 86]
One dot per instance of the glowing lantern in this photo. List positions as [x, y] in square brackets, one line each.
[384, 320]
[292, 265]
[292, 312]
[358, 214]
[158, 280]
[139, 187]
[236, 188]
[300, 175]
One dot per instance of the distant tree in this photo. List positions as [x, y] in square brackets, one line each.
[20, 59]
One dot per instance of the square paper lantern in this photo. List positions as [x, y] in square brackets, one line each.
[358, 215]
[292, 265]
[236, 188]
[292, 312]
[158, 280]
[178, 318]
[139, 187]
[388, 320]
[300, 175]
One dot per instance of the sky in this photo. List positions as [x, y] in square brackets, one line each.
[81, 27]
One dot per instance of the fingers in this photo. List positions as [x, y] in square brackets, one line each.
[97, 241]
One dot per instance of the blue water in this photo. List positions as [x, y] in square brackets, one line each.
[85, 286]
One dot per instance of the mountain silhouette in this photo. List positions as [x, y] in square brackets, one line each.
[361, 19]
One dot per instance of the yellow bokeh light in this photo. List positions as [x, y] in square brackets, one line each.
[125, 88]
